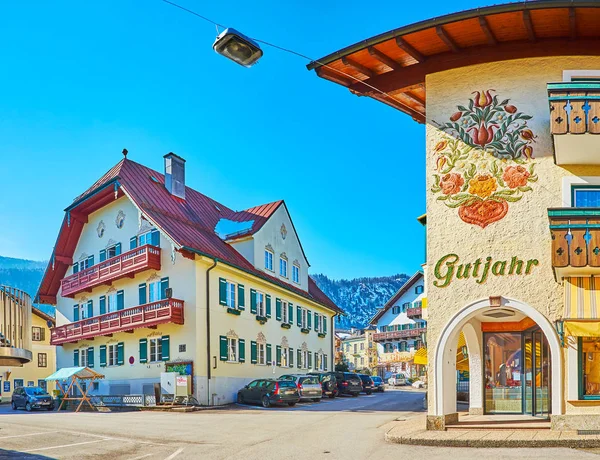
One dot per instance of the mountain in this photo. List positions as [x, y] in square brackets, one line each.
[360, 297]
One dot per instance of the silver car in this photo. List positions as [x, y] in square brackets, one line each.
[309, 386]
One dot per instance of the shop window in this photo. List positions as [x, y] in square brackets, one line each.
[585, 196]
[589, 368]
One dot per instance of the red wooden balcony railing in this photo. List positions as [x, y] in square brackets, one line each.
[381, 336]
[126, 264]
[147, 315]
[411, 312]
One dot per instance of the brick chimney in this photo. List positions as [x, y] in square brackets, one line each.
[175, 175]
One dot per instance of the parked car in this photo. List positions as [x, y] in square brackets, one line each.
[268, 392]
[31, 398]
[328, 383]
[378, 384]
[367, 383]
[397, 379]
[348, 383]
[309, 387]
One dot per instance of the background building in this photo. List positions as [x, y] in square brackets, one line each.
[359, 351]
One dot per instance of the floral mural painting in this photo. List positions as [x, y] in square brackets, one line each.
[486, 164]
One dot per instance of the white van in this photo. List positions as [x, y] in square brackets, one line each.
[397, 379]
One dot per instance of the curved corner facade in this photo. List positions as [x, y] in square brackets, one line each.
[15, 327]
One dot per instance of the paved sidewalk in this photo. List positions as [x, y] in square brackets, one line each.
[412, 432]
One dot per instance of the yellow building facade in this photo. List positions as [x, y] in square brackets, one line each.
[359, 351]
[148, 279]
[42, 364]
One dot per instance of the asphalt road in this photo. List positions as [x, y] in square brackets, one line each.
[345, 428]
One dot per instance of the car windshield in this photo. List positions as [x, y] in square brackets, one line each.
[35, 391]
[376, 379]
[309, 381]
[286, 384]
[350, 376]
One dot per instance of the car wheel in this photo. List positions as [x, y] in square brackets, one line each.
[240, 398]
[369, 393]
[266, 402]
[28, 407]
[14, 406]
[354, 395]
[332, 395]
[291, 404]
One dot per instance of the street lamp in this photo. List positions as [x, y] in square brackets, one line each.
[236, 46]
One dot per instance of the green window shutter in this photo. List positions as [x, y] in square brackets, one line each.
[242, 350]
[142, 293]
[102, 304]
[102, 255]
[316, 322]
[76, 267]
[118, 249]
[223, 347]
[290, 314]
[76, 358]
[299, 357]
[308, 319]
[133, 242]
[120, 300]
[325, 362]
[90, 308]
[278, 309]
[268, 301]
[253, 353]
[75, 312]
[222, 291]
[310, 360]
[324, 324]
[253, 301]
[143, 350]
[241, 297]
[102, 355]
[299, 315]
[155, 238]
[120, 353]
[164, 285]
[268, 354]
[278, 355]
[291, 357]
[165, 347]
[90, 261]
[90, 357]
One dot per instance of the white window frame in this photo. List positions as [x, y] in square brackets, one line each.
[285, 353]
[233, 350]
[36, 334]
[83, 310]
[231, 294]
[112, 355]
[304, 356]
[261, 353]
[269, 260]
[296, 273]
[83, 357]
[304, 317]
[154, 291]
[285, 310]
[261, 306]
[147, 236]
[111, 248]
[156, 356]
[111, 302]
[283, 267]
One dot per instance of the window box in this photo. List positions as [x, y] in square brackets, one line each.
[261, 319]
[322, 334]
[234, 311]
[286, 325]
[305, 330]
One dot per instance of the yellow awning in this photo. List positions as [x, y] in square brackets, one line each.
[421, 356]
[424, 302]
[582, 298]
[582, 328]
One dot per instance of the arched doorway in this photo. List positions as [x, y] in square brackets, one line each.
[474, 319]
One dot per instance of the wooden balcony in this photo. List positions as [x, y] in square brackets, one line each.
[575, 241]
[574, 120]
[148, 315]
[126, 264]
[407, 333]
[413, 312]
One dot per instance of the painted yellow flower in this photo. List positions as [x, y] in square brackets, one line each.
[483, 185]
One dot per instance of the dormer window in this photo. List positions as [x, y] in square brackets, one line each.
[268, 260]
[283, 268]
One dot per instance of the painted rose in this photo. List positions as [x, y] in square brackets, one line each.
[483, 185]
[451, 183]
[515, 176]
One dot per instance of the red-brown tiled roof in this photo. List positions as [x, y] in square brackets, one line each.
[190, 223]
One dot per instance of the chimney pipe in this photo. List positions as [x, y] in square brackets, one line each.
[175, 175]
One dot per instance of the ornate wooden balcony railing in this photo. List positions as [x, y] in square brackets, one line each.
[147, 315]
[412, 312]
[575, 239]
[575, 109]
[406, 333]
[126, 264]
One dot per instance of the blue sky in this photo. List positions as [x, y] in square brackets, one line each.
[83, 80]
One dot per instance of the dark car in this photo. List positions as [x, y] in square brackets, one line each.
[379, 385]
[328, 383]
[367, 383]
[268, 392]
[31, 398]
[348, 383]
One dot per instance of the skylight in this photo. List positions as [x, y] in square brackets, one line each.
[226, 228]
